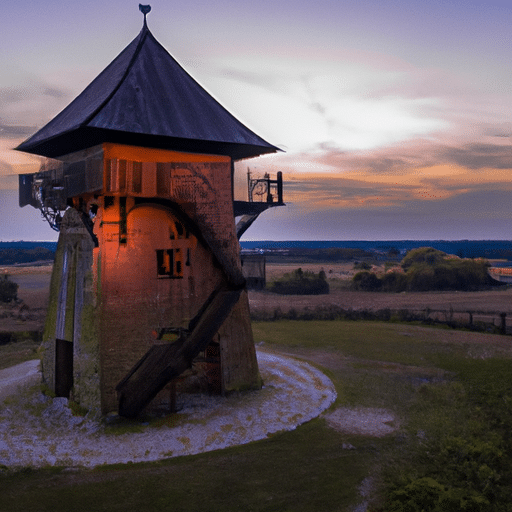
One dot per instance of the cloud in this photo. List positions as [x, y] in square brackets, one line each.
[480, 156]
[13, 162]
[29, 101]
[15, 132]
[26, 102]
[479, 215]
[305, 102]
[414, 172]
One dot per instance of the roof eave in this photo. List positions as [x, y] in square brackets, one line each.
[85, 137]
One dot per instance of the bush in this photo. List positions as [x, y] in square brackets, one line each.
[301, 283]
[428, 269]
[394, 282]
[366, 281]
[427, 255]
[420, 278]
[8, 289]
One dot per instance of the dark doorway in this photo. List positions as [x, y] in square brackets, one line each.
[63, 367]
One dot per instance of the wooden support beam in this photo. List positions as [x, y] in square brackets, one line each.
[163, 363]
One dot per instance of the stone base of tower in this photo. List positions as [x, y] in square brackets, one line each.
[71, 338]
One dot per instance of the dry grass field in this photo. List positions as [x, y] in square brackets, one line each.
[33, 291]
[34, 283]
[338, 275]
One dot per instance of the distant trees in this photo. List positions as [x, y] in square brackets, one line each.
[299, 282]
[362, 265]
[331, 254]
[11, 256]
[426, 269]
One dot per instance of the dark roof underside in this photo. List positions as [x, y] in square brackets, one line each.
[145, 98]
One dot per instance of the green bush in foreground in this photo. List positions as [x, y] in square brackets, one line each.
[299, 282]
[463, 462]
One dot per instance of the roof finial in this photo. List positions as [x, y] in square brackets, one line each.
[144, 9]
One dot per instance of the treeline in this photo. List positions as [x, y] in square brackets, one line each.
[12, 256]
[427, 269]
[332, 254]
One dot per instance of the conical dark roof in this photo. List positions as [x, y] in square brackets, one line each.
[145, 98]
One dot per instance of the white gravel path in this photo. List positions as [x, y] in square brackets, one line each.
[21, 375]
[38, 431]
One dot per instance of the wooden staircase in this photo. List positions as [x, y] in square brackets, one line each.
[163, 363]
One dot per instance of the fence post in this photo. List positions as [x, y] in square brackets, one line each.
[503, 327]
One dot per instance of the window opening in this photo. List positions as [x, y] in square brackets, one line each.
[108, 176]
[137, 178]
[122, 175]
[162, 179]
[108, 201]
[122, 220]
[169, 263]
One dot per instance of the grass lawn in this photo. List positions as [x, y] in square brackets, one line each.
[450, 390]
[15, 353]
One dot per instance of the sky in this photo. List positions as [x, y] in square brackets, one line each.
[395, 118]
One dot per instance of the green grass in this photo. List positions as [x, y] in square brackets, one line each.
[19, 352]
[303, 470]
[377, 341]
[450, 391]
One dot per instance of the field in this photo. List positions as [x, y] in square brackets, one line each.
[445, 396]
[34, 284]
[485, 305]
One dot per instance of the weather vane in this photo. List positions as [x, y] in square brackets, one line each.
[144, 9]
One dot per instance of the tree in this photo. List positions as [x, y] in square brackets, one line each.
[8, 289]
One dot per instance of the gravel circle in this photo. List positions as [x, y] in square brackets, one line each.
[38, 431]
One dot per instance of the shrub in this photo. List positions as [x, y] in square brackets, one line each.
[8, 289]
[366, 281]
[301, 283]
[394, 282]
[429, 269]
[362, 265]
[420, 278]
[427, 255]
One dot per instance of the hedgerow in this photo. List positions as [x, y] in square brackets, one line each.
[299, 282]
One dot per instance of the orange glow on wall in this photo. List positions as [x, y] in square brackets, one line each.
[141, 154]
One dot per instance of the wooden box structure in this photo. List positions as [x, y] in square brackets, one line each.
[147, 275]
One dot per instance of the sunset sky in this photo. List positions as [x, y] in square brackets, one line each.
[395, 116]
